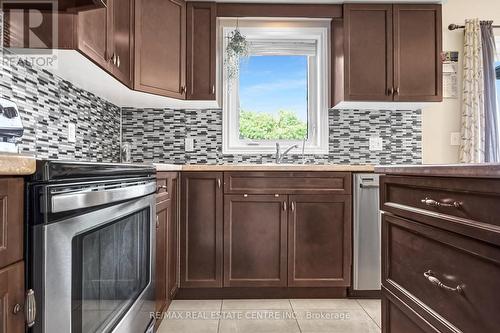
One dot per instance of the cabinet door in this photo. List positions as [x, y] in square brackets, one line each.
[121, 39]
[160, 47]
[417, 53]
[319, 244]
[200, 50]
[368, 52]
[162, 221]
[173, 241]
[255, 240]
[11, 220]
[93, 34]
[201, 230]
[12, 293]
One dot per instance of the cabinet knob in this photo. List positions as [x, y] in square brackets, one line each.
[397, 91]
[157, 222]
[118, 61]
[183, 89]
[390, 91]
[162, 187]
[17, 308]
[213, 90]
[113, 59]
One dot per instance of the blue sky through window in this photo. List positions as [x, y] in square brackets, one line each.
[272, 83]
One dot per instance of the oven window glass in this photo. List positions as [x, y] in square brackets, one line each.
[110, 269]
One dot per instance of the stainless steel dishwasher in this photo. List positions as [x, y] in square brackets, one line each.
[367, 233]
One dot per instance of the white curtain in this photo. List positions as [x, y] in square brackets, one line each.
[472, 145]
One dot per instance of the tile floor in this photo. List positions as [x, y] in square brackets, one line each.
[273, 316]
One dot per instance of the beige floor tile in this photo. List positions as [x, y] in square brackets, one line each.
[258, 326]
[256, 304]
[311, 304]
[188, 326]
[336, 321]
[373, 308]
[195, 305]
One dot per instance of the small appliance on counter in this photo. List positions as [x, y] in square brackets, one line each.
[11, 126]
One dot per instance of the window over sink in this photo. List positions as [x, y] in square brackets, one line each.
[281, 91]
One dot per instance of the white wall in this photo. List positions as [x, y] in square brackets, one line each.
[441, 119]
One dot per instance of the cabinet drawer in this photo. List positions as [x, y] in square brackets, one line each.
[462, 205]
[287, 182]
[11, 220]
[414, 255]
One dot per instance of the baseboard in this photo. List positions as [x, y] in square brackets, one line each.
[368, 294]
[256, 293]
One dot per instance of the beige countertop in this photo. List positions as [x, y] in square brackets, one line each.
[17, 165]
[480, 170]
[265, 167]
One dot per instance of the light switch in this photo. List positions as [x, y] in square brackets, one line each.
[455, 138]
[376, 143]
[189, 144]
[71, 132]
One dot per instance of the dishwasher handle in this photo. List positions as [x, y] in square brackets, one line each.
[361, 185]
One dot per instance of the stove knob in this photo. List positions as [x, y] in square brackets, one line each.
[10, 112]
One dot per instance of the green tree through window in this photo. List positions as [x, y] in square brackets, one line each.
[265, 126]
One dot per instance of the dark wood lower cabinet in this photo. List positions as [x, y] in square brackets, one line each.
[11, 296]
[274, 243]
[173, 240]
[166, 240]
[319, 244]
[201, 230]
[162, 221]
[255, 240]
[440, 254]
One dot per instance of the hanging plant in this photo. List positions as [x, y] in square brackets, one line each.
[237, 48]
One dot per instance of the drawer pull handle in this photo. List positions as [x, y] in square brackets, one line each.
[429, 275]
[433, 203]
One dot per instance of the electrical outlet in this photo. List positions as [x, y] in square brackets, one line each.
[189, 144]
[455, 138]
[71, 132]
[376, 143]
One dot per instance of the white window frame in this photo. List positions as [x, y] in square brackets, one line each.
[318, 82]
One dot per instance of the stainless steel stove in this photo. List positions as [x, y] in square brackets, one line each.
[91, 241]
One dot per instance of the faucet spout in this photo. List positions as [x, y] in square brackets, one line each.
[279, 155]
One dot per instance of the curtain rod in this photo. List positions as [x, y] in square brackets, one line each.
[456, 26]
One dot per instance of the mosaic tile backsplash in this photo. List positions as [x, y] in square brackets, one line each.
[157, 135]
[47, 105]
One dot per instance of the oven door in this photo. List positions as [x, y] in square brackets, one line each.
[99, 268]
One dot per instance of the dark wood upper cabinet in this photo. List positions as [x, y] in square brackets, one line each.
[200, 50]
[319, 244]
[121, 34]
[417, 53]
[255, 240]
[93, 37]
[160, 47]
[368, 52]
[392, 53]
[201, 230]
[105, 36]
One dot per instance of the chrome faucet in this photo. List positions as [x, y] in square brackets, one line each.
[279, 155]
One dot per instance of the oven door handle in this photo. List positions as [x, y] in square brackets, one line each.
[86, 199]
